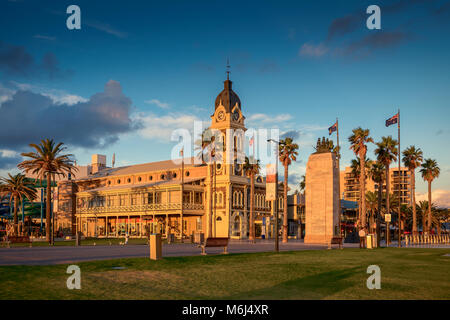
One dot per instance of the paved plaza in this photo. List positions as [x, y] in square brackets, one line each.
[69, 254]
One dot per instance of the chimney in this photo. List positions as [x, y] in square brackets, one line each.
[98, 163]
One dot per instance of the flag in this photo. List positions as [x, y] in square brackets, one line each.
[181, 152]
[333, 128]
[251, 141]
[113, 159]
[392, 120]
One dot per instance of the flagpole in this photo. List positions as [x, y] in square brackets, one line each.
[339, 174]
[182, 191]
[399, 186]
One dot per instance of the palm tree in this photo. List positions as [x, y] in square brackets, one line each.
[45, 163]
[206, 148]
[412, 158]
[376, 173]
[251, 168]
[371, 200]
[303, 183]
[386, 152]
[429, 171]
[359, 140]
[423, 209]
[288, 153]
[19, 190]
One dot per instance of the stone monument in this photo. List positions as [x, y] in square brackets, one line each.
[322, 198]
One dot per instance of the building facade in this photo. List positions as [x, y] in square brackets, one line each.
[172, 197]
[400, 185]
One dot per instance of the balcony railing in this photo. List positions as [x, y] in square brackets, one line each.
[140, 208]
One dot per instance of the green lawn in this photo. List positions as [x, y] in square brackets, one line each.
[321, 274]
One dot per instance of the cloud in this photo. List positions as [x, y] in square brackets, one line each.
[268, 66]
[445, 8]
[440, 197]
[265, 119]
[344, 25]
[9, 159]
[311, 50]
[159, 104]
[44, 37]
[104, 27]
[15, 60]
[375, 41]
[161, 127]
[96, 122]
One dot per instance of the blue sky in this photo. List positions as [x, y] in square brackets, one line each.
[296, 65]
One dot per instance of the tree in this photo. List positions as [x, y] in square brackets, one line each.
[45, 163]
[429, 171]
[386, 152]
[371, 200]
[251, 168]
[18, 189]
[412, 158]
[288, 153]
[376, 173]
[359, 140]
[422, 208]
[303, 183]
[206, 145]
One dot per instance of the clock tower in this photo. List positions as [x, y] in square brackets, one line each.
[227, 178]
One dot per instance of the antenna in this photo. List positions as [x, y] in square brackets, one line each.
[228, 69]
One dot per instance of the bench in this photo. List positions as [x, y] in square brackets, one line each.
[335, 240]
[215, 242]
[18, 239]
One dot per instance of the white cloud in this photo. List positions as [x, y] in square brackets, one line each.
[161, 127]
[440, 197]
[65, 98]
[159, 104]
[311, 50]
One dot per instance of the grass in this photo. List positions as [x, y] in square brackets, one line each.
[315, 274]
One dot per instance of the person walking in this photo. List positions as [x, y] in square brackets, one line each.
[362, 238]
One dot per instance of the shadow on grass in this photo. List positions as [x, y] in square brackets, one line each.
[318, 286]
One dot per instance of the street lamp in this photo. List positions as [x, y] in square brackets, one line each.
[276, 192]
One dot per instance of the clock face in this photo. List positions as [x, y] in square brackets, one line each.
[236, 115]
[221, 116]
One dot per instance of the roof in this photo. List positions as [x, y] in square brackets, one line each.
[228, 98]
[145, 167]
[141, 185]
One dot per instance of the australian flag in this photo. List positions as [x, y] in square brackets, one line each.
[332, 129]
[392, 120]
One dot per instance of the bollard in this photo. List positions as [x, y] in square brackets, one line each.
[155, 246]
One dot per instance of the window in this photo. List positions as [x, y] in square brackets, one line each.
[198, 198]
[133, 199]
[154, 198]
[150, 178]
[174, 174]
[150, 198]
[162, 177]
[199, 224]
[122, 199]
[128, 180]
[187, 173]
[109, 182]
[139, 179]
[118, 181]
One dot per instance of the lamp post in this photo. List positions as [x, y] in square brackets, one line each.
[276, 192]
